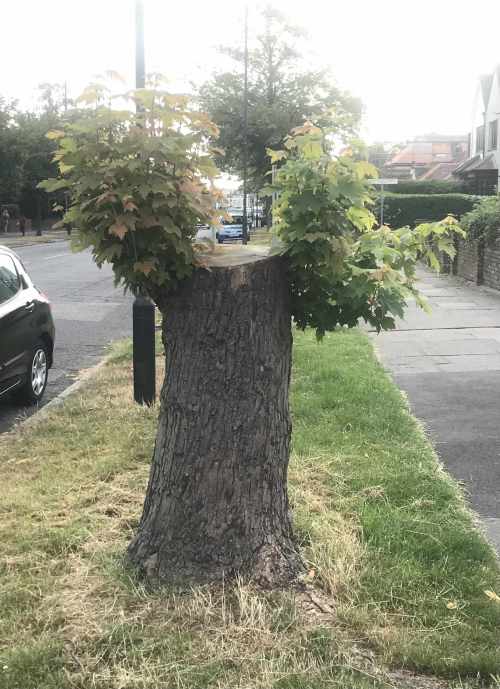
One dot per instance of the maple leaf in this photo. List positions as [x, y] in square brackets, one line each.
[105, 198]
[119, 230]
[144, 267]
[128, 204]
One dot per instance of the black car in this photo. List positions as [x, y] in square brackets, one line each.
[26, 332]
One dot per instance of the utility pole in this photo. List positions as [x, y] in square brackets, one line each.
[382, 183]
[143, 310]
[245, 133]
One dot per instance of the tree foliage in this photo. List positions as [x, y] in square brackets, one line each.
[141, 181]
[483, 222]
[378, 154]
[342, 268]
[138, 184]
[282, 94]
[11, 154]
[25, 152]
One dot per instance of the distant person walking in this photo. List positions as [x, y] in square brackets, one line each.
[21, 223]
[5, 220]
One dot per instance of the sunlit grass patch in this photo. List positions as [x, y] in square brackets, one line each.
[418, 549]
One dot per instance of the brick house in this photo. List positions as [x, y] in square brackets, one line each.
[433, 156]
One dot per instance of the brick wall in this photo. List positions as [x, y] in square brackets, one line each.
[491, 268]
[445, 263]
[467, 260]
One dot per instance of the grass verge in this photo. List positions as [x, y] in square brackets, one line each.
[17, 241]
[400, 571]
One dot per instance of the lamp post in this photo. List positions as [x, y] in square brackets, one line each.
[245, 133]
[143, 310]
[140, 70]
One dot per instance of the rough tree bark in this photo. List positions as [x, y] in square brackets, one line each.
[216, 503]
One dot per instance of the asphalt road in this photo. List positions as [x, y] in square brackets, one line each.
[448, 363]
[89, 313]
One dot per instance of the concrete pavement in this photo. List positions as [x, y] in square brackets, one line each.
[448, 363]
[89, 312]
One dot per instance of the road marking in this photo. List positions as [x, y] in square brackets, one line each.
[47, 258]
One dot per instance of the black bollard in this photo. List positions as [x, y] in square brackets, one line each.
[143, 317]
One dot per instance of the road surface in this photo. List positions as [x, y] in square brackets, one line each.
[89, 312]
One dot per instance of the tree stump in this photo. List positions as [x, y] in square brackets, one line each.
[216, 503]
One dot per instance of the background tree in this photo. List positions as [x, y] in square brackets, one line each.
[54, 98]
[378, 154]
[10, 153]
[25, 152]
[216, 503]
[282, 94]
[36, 161]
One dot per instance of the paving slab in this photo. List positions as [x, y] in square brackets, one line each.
[414, 364]
[448, 364]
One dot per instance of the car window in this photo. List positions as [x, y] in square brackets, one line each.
[9, 279]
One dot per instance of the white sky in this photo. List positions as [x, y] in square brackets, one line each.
[413, 64]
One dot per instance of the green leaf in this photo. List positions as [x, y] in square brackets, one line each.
[365, 170]
[64, 168]
[51, 185]
[362, 218]
[54, 134]
[276, 156]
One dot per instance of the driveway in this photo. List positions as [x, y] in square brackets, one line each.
[448, 363]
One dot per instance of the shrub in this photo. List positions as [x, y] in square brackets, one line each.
[484, 220]
[410, 209]
[431, 186]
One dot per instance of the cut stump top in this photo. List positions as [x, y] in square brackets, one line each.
[235, 255]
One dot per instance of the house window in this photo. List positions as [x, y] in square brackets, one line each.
[493, 135]
[479, 139]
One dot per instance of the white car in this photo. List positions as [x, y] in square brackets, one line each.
[205, 233]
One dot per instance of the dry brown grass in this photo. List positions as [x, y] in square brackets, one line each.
[73, 486]
[334, 548]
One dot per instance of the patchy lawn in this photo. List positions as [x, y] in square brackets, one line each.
[398, 568]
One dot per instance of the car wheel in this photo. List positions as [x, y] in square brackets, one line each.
[36, 378]
[220, 240]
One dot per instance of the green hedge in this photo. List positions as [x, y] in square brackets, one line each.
[432, 186]
[484, 220]
[409, 209]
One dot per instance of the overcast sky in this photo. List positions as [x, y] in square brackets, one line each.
[413, 64]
